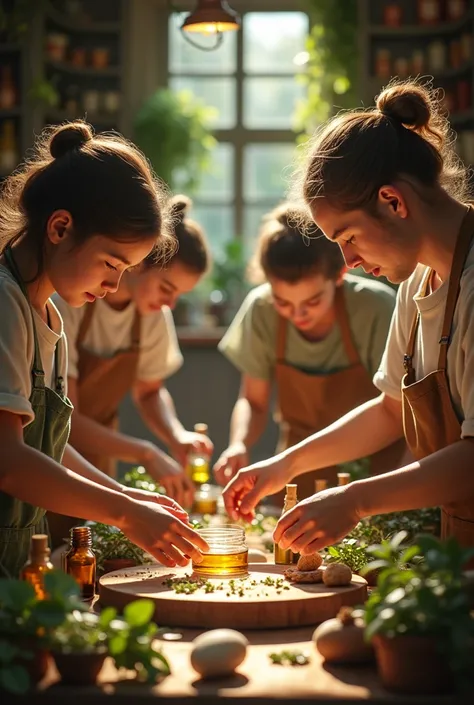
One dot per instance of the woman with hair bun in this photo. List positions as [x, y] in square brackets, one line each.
[127, 342]
[387, 186]
[311, 330]
[82, 211]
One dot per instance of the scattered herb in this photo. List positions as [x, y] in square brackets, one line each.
[289, 658]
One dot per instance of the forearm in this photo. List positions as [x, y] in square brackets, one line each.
[73, 460]
[90, 437]
[362, 432]
[247, 423]
[159, 414]
[33, 477]
[441, 478]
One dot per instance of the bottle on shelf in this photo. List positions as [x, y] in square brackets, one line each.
[343, 478]
[9, 155]
[38, 564]
[8, 90]
[80, 561]
[286, 556]
[320, 485]
[198, 463]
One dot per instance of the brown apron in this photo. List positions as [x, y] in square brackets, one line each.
[429, 418]
[101, 385]
[309, 402]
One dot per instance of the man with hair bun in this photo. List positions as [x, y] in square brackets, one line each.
[387, 186]
[311, 329]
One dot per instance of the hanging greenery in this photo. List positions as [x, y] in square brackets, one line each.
[331, 76]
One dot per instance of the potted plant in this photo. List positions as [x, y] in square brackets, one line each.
[26, 624]
[79, 648]
[228, 282]
[113, 550]
[172, 129]
[418, 618]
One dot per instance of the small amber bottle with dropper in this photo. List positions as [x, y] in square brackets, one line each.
[37, 564]
[286, 556]
[80, 561]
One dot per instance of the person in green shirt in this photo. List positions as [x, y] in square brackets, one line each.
[311, 329]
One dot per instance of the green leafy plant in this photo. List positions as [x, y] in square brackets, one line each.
[173, 130]
[382, 526]
[110, 543]
[81, 632]
[139, 478]
[350, 552]
[130, 640]
[419, 592]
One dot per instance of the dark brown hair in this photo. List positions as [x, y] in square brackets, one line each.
[405, 136]
[103, 181]
[191, 247]
[291, 247]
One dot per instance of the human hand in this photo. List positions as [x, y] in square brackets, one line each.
[252, 484]
[230, 462]
[190, 442]
[152, 527]
[170, 475]
[318, 521]
[169, 504]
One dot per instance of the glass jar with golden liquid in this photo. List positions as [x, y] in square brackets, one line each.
[280, 555]
[80, 561]
[228, 552]
[205, 500]
[37, 564]
[198, 464]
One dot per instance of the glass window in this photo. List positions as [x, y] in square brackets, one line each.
[269, 103]
[218, 224]
[272, 40]
[267, 170]
[217, 184]
[218, 93]
[184, 58]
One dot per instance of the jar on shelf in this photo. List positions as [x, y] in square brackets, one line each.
[392, 15]
[455, 53]
[8, 91]
[111, 102]
[228, 552]
[56, 46]
[383, 63]
[455, 9]
[429, 11]
[437, 56]
[401, 67]
[418, 62]
[78, 56]
[100, 57]
[91, 101]
[467, 38]
[463, 92]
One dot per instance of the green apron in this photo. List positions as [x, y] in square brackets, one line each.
[48, 433]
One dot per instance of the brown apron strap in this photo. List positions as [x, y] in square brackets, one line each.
[281, 339]
[346, 333]
[85, 323]
[136, 326]
[461, 251]
[410, 350]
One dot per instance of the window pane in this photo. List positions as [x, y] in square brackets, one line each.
[267, 170]
[218, 93]
[218, 224]
[269, 103]
[218, 183]
[184, 58]
[252, 221]
[272, 40]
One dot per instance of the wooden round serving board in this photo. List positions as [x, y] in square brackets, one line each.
[260, 607]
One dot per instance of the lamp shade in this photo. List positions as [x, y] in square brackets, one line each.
[211, 17]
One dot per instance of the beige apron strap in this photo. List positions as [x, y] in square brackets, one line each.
[410, 350]
[85, 323]
[136, 326]
[346, 333]
[461, 251]
[281, 339]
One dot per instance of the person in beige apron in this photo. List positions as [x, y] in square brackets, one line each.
[406, 217]
[61, 223]
[127, 343]
[318, 390]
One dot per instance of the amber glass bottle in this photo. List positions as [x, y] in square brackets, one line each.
[80, 561]
[37, 564]
[286, 556]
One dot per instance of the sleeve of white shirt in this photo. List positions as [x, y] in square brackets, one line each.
[160, 356]
[72, 318]
[388, 377]
[16, 352]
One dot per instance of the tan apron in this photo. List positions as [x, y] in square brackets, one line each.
[102, 383]
[309, 402]
[429, 418]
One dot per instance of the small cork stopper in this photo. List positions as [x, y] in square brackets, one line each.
[291, 491]
[343, 478]
[320, 485]
[39, 545]
[201, 428]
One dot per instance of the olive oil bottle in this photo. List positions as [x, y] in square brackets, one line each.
[37, 564]
[286, 556]
[198, 463]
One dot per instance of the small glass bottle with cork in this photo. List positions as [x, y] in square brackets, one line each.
[80, 561]
[198, 462]
[287, 556]
[343, 478]
[38, 564]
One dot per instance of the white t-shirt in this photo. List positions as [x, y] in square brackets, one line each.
[111, 330]
[17, 347]
[461, 348]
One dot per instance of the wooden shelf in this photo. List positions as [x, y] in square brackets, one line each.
[90, 71]
[70, 25]
[9, 48]
[94, 118]
[10, 113]
[462, 117]
[415, 30]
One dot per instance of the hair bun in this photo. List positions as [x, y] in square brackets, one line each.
[408, 104]
[179, 205]
[294, 217]
[68, 137]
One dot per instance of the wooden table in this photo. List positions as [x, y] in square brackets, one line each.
[258, 681]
